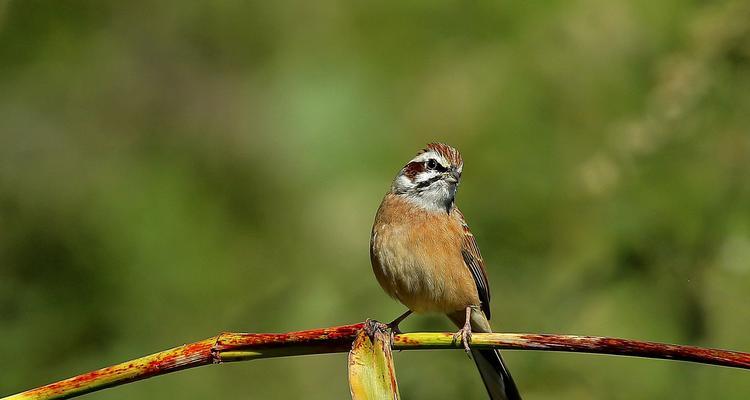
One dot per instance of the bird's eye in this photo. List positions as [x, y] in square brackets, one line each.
[431, 163]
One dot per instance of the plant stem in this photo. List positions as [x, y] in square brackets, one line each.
[228, 347]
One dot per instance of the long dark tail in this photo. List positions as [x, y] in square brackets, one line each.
[495, 375]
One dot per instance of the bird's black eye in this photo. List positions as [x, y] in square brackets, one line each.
[431, 163]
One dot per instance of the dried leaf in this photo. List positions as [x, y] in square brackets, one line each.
[371, 372]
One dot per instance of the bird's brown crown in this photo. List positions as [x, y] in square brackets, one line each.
[449, 153]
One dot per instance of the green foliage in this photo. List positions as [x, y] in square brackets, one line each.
[169, 170]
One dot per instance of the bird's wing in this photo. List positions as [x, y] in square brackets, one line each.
[475, 263]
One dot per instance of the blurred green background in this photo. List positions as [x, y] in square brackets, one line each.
[173, 169]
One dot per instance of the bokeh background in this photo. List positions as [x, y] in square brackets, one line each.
[173, 169]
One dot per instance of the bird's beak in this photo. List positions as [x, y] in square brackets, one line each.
[452, 176]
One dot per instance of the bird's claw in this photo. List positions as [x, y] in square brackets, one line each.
[464, 336]
[371, 327]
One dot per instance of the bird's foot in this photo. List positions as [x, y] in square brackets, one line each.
[378, 331]
[372, 327]
[464, 334]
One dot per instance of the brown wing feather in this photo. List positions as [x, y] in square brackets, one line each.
[475, 263]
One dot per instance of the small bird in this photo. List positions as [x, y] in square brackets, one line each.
[424, 255]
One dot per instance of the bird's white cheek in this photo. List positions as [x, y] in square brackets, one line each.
[436, 198]
[403, 183]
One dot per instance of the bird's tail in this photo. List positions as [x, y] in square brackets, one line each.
[495, 375]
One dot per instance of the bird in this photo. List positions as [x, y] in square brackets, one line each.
[424, 255]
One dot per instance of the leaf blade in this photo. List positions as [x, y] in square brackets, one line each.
[371, 372]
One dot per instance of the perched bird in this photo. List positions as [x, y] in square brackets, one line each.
[424, 255]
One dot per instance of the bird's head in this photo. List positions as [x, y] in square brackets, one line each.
[431, 178]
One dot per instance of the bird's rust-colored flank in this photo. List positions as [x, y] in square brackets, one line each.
[431, 275]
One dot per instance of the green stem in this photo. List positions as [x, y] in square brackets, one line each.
[229, 347]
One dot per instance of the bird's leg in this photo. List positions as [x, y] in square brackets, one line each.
[464, 334]
[394, 324]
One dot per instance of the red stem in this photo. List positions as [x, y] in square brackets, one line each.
[340, 338]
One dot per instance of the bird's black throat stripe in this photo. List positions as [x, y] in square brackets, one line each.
[429, 182]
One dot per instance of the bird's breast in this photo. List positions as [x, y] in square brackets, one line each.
[416, 257]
